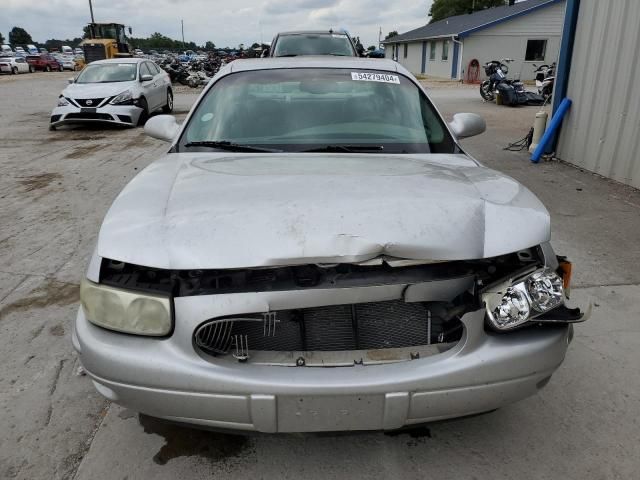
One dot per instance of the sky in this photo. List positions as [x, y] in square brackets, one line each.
[224, 22]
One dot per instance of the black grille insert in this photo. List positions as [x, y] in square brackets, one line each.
[363, 326]
[88, 102]
[88, 116]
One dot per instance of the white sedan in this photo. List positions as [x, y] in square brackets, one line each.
[118, 91]
[15, 65]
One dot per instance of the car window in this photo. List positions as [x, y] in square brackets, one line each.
[313, 44]
[296, 109]
[20, 60]
[153, 68]
[107, 72]
[144, 69]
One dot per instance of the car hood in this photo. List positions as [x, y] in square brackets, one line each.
[96, 90]
[221, 210]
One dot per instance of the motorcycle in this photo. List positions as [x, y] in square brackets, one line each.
[512, 91]
[497, 71]
[545, 79]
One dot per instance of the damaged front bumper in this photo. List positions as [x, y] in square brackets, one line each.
[171, 378]
[124, 115]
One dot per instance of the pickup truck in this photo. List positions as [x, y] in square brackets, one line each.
[44, 61]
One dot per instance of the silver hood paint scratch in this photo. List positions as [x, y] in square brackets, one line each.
[232, 210]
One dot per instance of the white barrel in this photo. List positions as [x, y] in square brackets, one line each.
[539, 126]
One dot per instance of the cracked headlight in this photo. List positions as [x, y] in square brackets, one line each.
[514, 303]
[125, 98]
[126, 311]
[62, 102]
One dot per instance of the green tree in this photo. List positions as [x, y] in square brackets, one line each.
[371, 48]
[1, 38]
[391, 35]
[441, 9]
[19, 36]
[209, 45]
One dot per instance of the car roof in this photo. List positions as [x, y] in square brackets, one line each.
[120, 60]
[313, 32]
[317, 61]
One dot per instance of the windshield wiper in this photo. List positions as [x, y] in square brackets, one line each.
[232, 147]
[344, 148]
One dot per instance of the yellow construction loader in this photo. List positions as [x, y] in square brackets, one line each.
[106, 40]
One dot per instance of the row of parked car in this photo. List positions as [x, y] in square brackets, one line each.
[46, 62]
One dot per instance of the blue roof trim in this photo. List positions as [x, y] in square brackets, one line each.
[466, 33]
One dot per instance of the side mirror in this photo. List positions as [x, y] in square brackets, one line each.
[466, 125]
[71, 80]
[162, 127]
[146, 78]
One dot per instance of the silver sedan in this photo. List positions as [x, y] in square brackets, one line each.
[117, 91]
[317, 252]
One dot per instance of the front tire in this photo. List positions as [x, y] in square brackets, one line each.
[61, 68]
[47, 68]
[14, 71]
[144, 116]
[31, 69]
[168, 108]
[485, 91]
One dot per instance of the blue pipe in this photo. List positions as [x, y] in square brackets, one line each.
[564, 62]
[556, 121]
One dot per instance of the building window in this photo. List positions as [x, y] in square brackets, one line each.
[406, 49]
[536, 50]
[445, 50]
[432, 52]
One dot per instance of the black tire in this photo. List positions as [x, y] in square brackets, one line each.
[47, 68]
[52, 128]
[14, 71]
[168, 108]
[31, 69]
[61, 68]
[144, 116]
[485, 91]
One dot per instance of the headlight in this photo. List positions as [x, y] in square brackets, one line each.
[124, 98]
[62, 102]
[125, 311]
[516, 302]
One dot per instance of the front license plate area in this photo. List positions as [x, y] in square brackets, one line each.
[330, 413]
[88, 110]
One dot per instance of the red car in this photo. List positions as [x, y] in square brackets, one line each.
[45, 62]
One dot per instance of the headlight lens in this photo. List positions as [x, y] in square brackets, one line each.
[515, 303]
[546, 290]
[513, 309]
[124, 98]
[62, 102]
[125, 311]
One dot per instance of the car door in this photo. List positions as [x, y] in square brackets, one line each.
[148, 87]
[160, 84]
[23, 66]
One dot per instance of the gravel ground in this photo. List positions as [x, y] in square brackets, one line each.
[54, 192]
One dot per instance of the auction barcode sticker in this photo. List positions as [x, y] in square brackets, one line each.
[375, 77]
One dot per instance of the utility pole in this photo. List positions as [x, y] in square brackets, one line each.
[91, 10]
[380, 37]
[182, 23]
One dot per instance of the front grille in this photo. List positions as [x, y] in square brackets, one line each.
[363, 326]
[88, 102]
[88, 116]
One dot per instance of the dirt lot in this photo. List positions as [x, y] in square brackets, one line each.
[56, 187]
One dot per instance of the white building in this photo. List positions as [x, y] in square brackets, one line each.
[528, 32]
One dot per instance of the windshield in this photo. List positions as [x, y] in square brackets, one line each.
[313, 44]
[302, 109]
[108, 72]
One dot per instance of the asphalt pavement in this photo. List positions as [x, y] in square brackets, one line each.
[55, 189]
